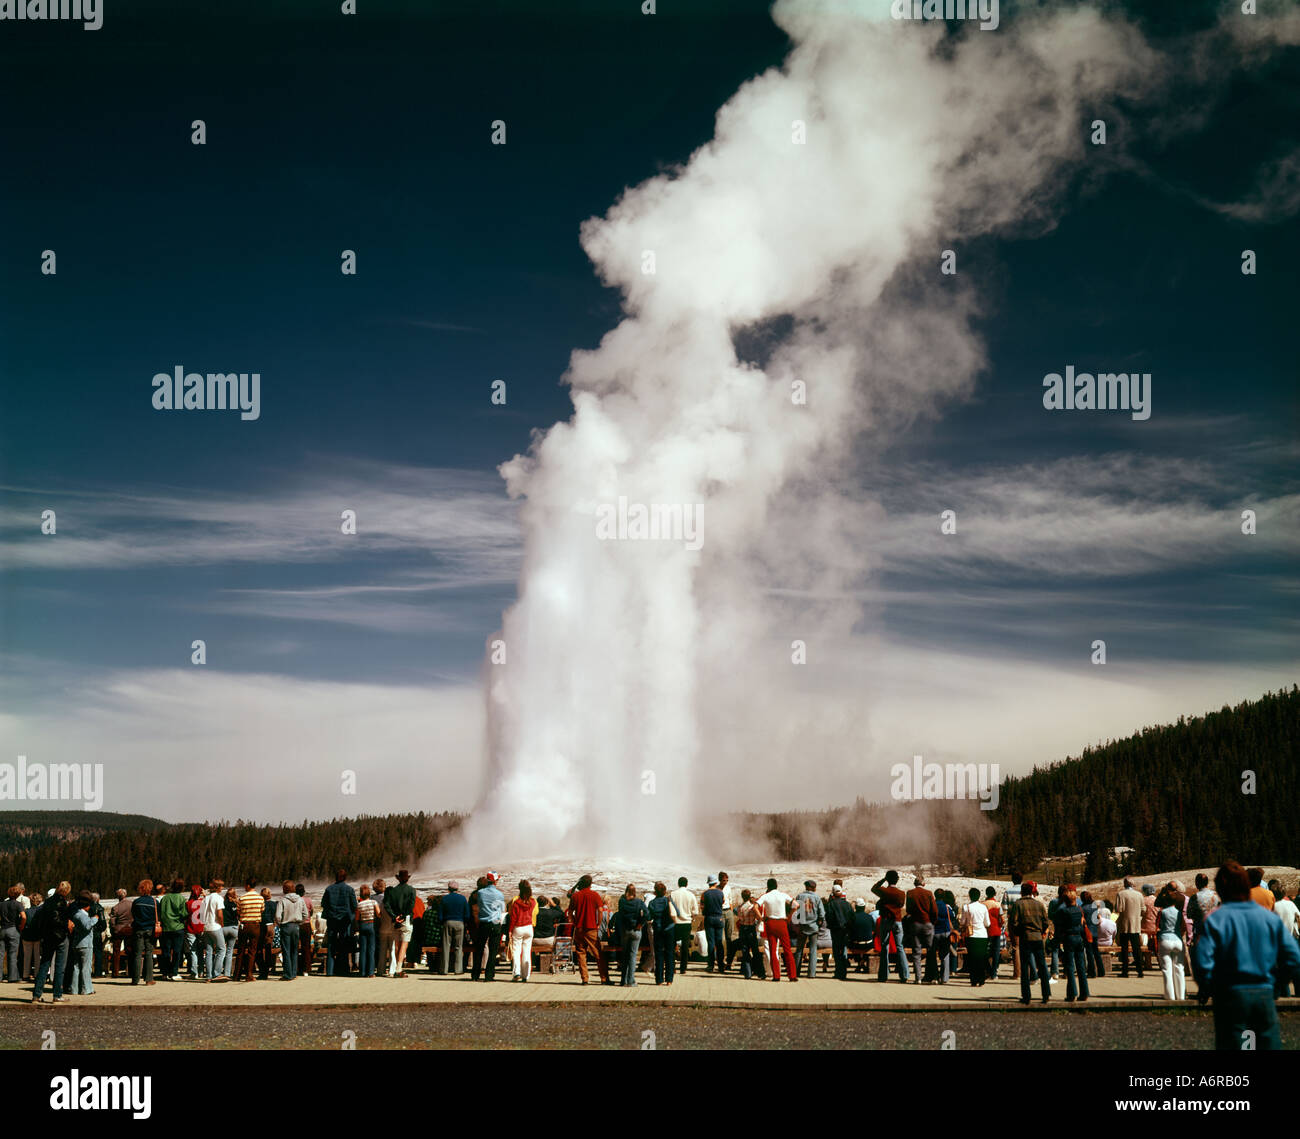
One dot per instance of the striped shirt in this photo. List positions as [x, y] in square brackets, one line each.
[366, 910]
[250, 907]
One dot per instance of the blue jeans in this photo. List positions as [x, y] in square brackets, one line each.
[995, 954]
[170, 941]
[214, 953]
[366, 948]
[289, 951]
[805, 937]
[83, 959]
[751, 956]
[231, 934]
[665, 955]
[12, 949]
[1076, 961]
[1241, 1010]
[715, 932]
[631, 942]
[884, 928]
[58, 959]
[192, 943]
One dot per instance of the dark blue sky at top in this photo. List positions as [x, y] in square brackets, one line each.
[371, 133]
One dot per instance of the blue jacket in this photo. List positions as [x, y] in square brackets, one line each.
[454, 907]
[1243, 945]
[491, 905]
[339, 903]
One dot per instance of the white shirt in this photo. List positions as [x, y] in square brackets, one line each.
[773, 904]
[212, 912]
[686, 905]
[975, 916]
[1287, 911]
[726, 896]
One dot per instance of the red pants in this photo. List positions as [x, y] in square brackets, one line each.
[588, 941]
[777, 931]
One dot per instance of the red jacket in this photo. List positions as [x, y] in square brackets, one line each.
[585, 906]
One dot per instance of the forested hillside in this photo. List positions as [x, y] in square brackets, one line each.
[1172, 793]
[199, 852]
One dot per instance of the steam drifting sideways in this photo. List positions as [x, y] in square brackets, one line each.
[783, 308]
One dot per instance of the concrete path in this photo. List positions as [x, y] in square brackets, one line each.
[695, 988]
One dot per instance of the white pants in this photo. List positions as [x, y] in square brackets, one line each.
[1172, 967]
[521, 950]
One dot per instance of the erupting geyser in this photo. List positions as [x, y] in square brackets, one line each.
[644, 680]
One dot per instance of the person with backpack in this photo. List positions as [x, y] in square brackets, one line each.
[53, 927]
[663, 922]
[808, 915]
[521, 921]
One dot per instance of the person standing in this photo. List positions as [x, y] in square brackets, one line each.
[715, 926]
[975, 925]
[839, 920]
[1092, 919]
[339, 906]
[145, 926]
[585, 906]
[487, 930]
[809, 916]
[748, 917]
[400, 904]
[171, 914]
[1243, 956]
[267, 942]
[890, 904]
[81, 944]
[521, 921]
[289, 916]
[1171, 943]
[774, 907]
[55, 926]
[1071, 936]
[230, 928]
[728, 915]
[364, 924]
[632, 918]
[215, 950]
[995, 931]
[194, 929]
[918, 929]
[686, 907]
[12, 919]
[1129, 909]
[663, 925]
[1199, 906]
[249, 939]
[306, 933]
[1010, 896]
[939, 961]
[1029, 925]
[455, 913]
[120, 922]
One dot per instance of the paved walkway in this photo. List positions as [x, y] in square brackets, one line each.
[695, 988]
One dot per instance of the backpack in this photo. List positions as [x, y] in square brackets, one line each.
[38, 922]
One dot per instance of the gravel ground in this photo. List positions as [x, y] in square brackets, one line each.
[413, 1026]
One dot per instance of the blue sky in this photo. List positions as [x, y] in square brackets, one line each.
[328, 651]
